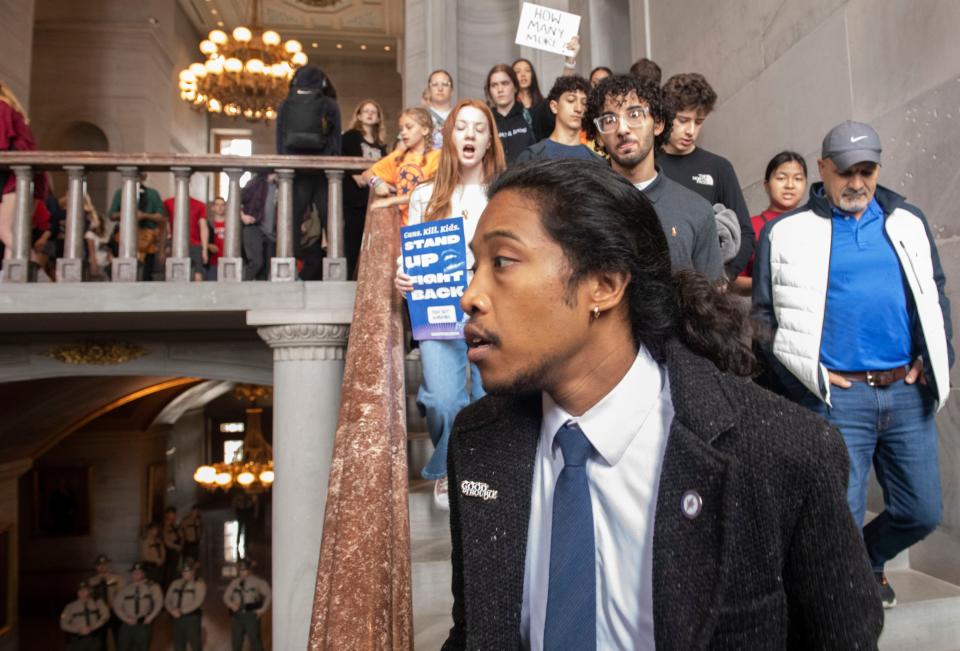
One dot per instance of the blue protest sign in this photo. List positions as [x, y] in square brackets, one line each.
[435, 255]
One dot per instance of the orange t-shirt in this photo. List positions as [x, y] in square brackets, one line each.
[406, 171]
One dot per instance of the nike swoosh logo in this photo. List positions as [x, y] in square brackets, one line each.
[857, 139]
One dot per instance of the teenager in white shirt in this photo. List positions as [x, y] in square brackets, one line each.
[471, 157]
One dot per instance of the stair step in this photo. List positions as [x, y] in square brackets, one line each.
[927, 615]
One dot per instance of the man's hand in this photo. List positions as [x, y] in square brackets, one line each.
[403, 282]
[839, 380]
[249, 220]
[205, 256]
[916, 372]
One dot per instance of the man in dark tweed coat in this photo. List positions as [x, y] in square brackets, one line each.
[622, 487]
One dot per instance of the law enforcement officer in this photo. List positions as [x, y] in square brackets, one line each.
[153, 552]
[248, 598]
[137, 605]
[191, 529]
[184, 602]
[82, 620]
[173, 545]
[105, 585]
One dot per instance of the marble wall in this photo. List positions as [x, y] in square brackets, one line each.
[786, 72]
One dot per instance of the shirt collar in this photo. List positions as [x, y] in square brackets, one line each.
[872, 212]
[613, 423]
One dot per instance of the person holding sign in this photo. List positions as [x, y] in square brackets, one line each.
[470, 158]
[400, 172]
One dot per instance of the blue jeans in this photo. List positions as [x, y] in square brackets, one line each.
[443, 394]
[894, 429]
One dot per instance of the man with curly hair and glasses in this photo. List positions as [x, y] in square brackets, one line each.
[627, 117]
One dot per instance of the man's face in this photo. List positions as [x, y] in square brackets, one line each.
[629, 146]
[570, 109]
[83, 593]
[502, 91]
[686, 130]
[851, 190]
[137, 576]
[219, 207]
[526, 325]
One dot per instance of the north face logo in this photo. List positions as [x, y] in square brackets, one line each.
[703, 179]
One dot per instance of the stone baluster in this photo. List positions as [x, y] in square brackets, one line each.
[125, 264]
[334, 264]
[230, 263]
[178, 264]
[70, 266]
[16, 268]
[283, 266]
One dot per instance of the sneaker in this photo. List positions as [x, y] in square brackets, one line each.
[887, 595]
[440, 496]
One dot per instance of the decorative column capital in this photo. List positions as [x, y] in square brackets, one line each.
[306, 341]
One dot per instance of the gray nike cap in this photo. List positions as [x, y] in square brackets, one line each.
[850, 143]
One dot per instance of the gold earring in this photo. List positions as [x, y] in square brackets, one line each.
[596, 312]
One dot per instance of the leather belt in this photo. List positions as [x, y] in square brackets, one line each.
[876, 378]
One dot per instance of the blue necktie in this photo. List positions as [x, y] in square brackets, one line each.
[571, 621]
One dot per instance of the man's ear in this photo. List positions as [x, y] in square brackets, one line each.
[658, 127]
[554, 106]
[607, 289]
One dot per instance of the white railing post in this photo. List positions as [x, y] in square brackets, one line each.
[334, 264]
[283, 266]
[230, 263]
[16, 268]
[70, 266]
[178, 264]
[125, 264]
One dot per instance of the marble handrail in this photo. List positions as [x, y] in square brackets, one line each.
[230, 269]
[363, 590]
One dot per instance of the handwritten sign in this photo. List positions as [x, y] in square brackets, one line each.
[547, 29]
[435, 255]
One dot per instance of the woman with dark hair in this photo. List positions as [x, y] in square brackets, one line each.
[536, 108]
[501, 89]
[366, 138]
[598, 74]
[786, 183]
[308, 124]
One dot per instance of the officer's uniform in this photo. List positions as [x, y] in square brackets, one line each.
[153, 553]
[191, 529]
[174, 545]
[139, 603]
[186, 596]
[105, 588]
[247, 595]
[84, 615]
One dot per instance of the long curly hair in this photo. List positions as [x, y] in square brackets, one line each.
[449, 175]
[617, 231]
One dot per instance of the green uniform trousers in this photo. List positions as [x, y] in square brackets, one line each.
[135, 638]
[84, 642]
[187, 630]
[246, 623]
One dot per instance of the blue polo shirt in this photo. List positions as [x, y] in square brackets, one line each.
[869, 312]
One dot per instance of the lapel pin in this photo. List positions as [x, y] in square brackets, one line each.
[477, 489]
[691, 504]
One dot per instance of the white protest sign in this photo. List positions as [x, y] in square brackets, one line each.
[547, 29]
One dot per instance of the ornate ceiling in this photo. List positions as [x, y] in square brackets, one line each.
[361, 28]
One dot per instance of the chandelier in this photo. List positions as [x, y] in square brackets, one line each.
[253, 472]
[247, 73]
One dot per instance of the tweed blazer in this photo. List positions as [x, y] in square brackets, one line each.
[773, 560]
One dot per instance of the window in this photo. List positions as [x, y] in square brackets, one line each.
[232, 142]
[232, 428]
[232, 450]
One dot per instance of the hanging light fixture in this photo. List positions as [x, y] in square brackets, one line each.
[246, 73]
[253, 472]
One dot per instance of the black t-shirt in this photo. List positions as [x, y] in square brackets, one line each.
[354, 144]
[515, 134]
[713, 178]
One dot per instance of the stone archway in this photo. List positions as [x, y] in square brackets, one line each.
[84, 136]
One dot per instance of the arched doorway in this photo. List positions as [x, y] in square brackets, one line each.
[84, 136]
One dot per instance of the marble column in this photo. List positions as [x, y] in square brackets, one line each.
[307, 373]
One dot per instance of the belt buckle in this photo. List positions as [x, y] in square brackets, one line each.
[871, 379]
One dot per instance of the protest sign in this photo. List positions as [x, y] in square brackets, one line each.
[435, 254]
[547, 29]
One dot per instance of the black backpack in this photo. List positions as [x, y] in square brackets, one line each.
[307, 121]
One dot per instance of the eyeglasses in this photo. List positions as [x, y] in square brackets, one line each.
[440, 84]
[610, 122]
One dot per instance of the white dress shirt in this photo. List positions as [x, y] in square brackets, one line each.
[628, 429]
